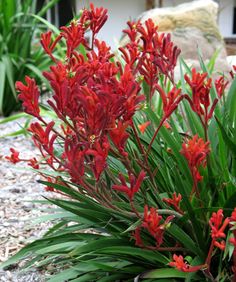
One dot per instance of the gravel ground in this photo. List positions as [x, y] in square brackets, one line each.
[18, 187]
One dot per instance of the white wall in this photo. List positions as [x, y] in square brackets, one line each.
[119, 12]
[226, 17]
[169, 3]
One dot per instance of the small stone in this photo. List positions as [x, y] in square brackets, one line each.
[15, 190]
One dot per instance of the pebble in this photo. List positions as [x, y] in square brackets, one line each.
[18, 186]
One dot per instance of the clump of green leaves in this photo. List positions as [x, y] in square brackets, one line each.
[20, 54]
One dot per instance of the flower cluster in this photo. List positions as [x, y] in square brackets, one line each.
[152, 222]
[217, 229]
[149, 53]
[15, 158]
[179, 263]
[200, 102]
[134, 184]
[195, 151]
[94, 98]
[174, 202]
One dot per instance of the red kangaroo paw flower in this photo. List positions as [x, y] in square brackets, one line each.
[179, 263]
[134, 185]
[217, 225]
[195, 151]
[119, 136]
[152, 222]
[174, 201]
[14, 157]
[142, 127]
[29, 95]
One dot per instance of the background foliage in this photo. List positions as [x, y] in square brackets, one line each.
[20, 55]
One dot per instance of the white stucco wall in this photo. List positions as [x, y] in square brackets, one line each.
[226, 17]
[119, 12]
[169, 3]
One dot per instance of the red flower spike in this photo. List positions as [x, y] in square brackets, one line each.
[103, 51]
[134, 185]
[220, 245]
[42, 137]
[47, 45]
[165, 54]
[132, 30]
[93, 19]
[171, 100]
[59, 81]
[46, 41]
[147, 34]
[149, 71]
[34, 163]
[119, 137]
[200, 102]
[14, 157]
[152, 222]
[142, 127]
[174, 201]
[217, 225]
[98, 17]
[131, 54]
[220, 85]
[29, 95]
[195, 151]
[74, 160]
[179, 263]
[99, 153]
[74, 35]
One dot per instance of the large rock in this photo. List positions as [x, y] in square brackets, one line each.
[192, 25]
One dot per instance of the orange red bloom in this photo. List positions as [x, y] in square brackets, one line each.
[14, 157]
[195, 151]
[29, 95]
[135, 184]
[179, 263]
[153, 223]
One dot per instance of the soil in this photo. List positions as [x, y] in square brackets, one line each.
[18, 189]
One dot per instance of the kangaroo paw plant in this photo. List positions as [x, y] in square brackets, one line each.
[145, 166]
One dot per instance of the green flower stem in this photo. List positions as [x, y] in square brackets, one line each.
[155, 134]
[145, 156]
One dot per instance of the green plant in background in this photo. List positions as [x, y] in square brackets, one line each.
[145, 166]
[19, 53]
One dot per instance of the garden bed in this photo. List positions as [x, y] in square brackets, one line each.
[18, 188]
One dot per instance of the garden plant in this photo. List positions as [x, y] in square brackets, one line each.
[144, 166]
